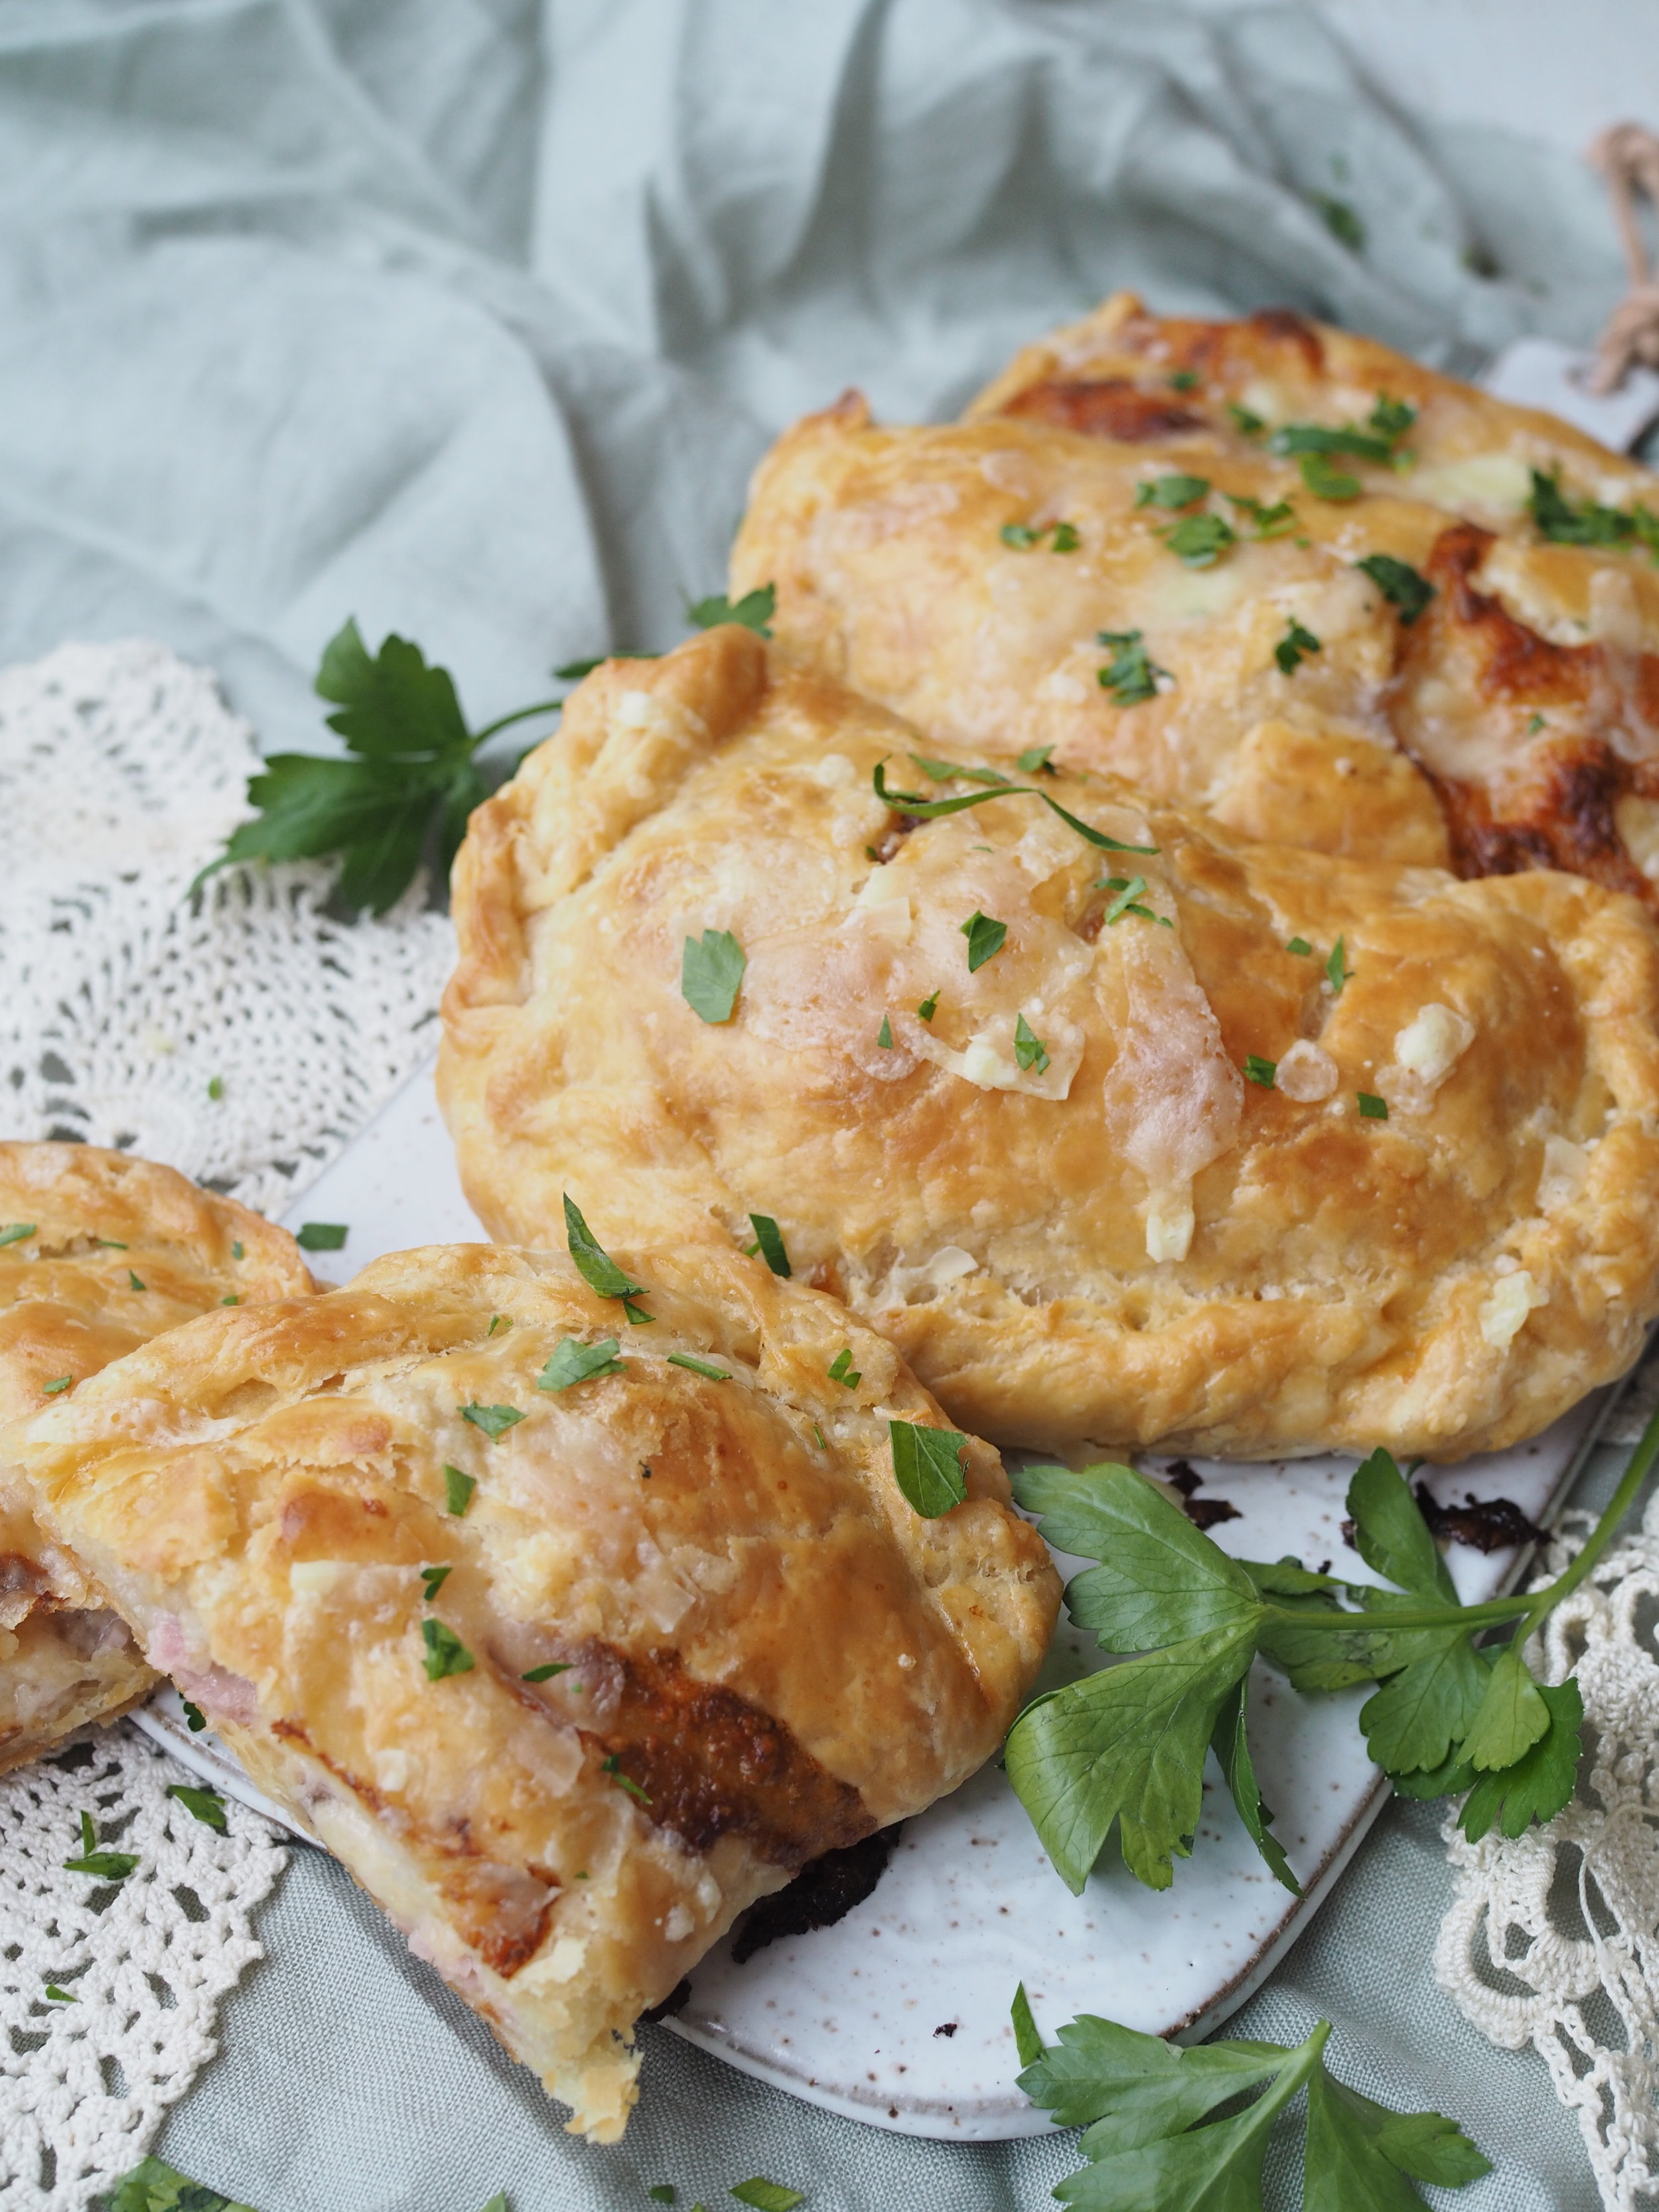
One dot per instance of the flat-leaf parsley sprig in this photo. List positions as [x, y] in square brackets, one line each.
[1153, 2141]
[1128, 1745]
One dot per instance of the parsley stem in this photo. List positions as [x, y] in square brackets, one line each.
[542, 707]
[1641, 1466]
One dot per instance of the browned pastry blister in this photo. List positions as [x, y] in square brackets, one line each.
[1048, 1178]
[103, 1252]
[1516, 724]
[568, 1685]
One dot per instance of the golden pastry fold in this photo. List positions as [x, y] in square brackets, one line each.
[567, 1655]
[99, 1252]
[1048, 1166]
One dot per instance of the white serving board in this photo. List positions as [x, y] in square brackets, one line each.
[848, 2017]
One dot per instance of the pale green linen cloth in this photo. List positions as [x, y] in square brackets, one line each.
[469, 318]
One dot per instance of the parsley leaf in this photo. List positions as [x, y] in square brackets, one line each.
[575, 1362]
[1128, 901]
[1399, 582]
[711, 969]
[942, 772]
[433, 1579]
[1029, 1051]
[1270, 522]
[928, 1008]
[1540, 1782]
[842, 1370]
[1019, 535]
[1247, 424]
[18, 1230]
[1131, 675]
[195, 1718]
[931, 809]
[133, 1283]
[1065, 539]
[59, 1384]
[1298, 438]
[1371, 1108]
[927, 1467]
[1172, 491]
[103, 1866]
[1337, 971]
[321, 1235]
[1555, 517]
[769, 1238]
[1325, 480]
[206, 1805]
[1027, 2041]
[445, 1653]
[709, 1373]
[1342, 221]
[754, 609]
[1257, 1070]
[1391, 418]
[155, 2186]
[1035, 762]
[1231, 1747]
[1184, 379]
[884, 1034]
[1512, 1718]
[985, 936]
[1298, 944]
[1200, 540]
[494, 1421]
[767, 2195]
[612, 1767]
[458, 1490]
[547, 1670]
[1293, 649]
[596, 1266]
[59, 1996]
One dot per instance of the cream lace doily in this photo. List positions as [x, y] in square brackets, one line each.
[1552, 1939]
[242, 1036]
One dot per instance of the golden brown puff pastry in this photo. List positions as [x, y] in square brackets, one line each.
[101, 1252]
[1048, 1178]
[708, 1636]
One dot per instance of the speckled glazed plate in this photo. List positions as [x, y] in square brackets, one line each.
[898, 2014]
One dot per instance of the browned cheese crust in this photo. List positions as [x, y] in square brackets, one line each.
[756, 1649]
[97, 1222]
[1126, 1243]
[1424, 740]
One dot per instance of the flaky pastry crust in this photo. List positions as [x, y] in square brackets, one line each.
[708, 1636]
[116, 1250]
[1092, 1228]
[1515, 724]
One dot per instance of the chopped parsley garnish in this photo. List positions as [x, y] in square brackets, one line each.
[1128, 901]
[1337, 970]
[711, 968]
[842, 1370]
[1247, 424]
[1172, 491]
[1029, 1051]
[1153, 2142]
[195, 1718]
[458, 1490]
[235, 1251]
[113, 1244]
[1534, 723]
[206, 1806]
[699, 1367]
[1184, 379]
[1269, 521]
[768, 1243]
[942, 772]
[134, 1283]
[1391, 418]
[1257, 1070]
[1298, 944]
[884, 1034]
[61, 1382]
[1035, 762]
[1019, 535]
[1063, 537]
[216, 1088]
[1325, 480]
[1399, 582]
[597, 1268]
[1342, 222]
[103, 1866]
[817, 1438]
[58, 1995]
[575, 1362]
[931, 809]
[1200, 540]
[612, 1767]
[498, 1321]
[1556, 518]
[321, 1235]
[155, 2186]
[767, 2195]
[661, 2192]
[444, 1654]
[1066, 538]
[1293, 649]
[754, 609]
[20, 1229]
[1131, 675]
[1371, 1109]
[232, 1300]
[1316, 438]
[985, 938]
[433, 1579]
[927, 1467]
[547, 1670]
[494, 1421]
[928, 1008]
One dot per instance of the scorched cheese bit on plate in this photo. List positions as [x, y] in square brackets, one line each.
[571, 1638]
[99, 1252]
[1272, 569]
[1121, 1127]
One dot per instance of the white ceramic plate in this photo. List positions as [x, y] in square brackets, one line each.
[899, 2014]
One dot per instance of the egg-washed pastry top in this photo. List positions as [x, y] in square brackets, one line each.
[568, 1655]
[1404, 652]
[1096, 1136]
[99, 1252]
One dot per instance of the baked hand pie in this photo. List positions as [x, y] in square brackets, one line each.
[1127, 1133]
[99, 1252]
[1409, 652]
[571, 1623]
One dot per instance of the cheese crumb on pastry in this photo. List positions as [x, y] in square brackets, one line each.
[685, 1633]
[102, 1252]
[1153, 1250]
